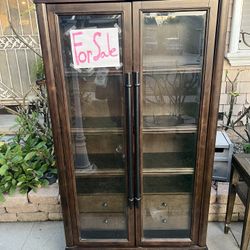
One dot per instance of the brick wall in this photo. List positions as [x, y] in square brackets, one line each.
[242, 86]
[42, 205]
[218, 204]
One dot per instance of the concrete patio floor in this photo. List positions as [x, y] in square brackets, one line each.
[50, 236]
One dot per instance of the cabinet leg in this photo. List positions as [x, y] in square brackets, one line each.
[246, 226]
[226, 228]
[231, 199]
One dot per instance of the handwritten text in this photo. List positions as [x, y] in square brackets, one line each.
[95, 48]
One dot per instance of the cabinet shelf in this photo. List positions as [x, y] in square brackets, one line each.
[120, 172]
[148, 130]
[186, 63]
[82, 74]
[168, 171]
[96, 131]
[99, 173]
[165, 70]
[181, 129]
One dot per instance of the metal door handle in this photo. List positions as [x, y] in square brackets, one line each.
[136, 79]
[128, 89]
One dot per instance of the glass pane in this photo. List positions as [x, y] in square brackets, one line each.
[172, 57]
[165, 151]
[20, 66]
[173, 39]
[245, 27]
[95, 101]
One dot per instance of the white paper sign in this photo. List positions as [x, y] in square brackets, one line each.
[92, 48]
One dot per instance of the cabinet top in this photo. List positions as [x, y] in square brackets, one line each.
[89, 1]
[75, 1]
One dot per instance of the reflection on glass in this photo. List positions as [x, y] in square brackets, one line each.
[163, 151]
[172, 45]
[167, 215]
[95, 97]
[171, 99]
[173, 39]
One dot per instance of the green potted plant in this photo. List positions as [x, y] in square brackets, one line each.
[27, 160]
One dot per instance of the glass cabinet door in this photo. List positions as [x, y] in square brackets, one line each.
[94, 63]
[172, 64]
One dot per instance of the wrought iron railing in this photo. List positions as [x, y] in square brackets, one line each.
[19, 39]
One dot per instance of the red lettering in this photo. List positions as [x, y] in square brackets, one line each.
[100, 53]
[111, 51]
[75, 44]
[89, 53]
[102, 48]
[97, 45]
[103, 54]
[82, 57]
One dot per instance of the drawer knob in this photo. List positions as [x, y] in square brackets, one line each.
[105, 204]
[164, 204]
[106, 221]
[164, 221]
[119, 149]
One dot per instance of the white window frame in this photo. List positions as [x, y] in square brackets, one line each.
[235, 56]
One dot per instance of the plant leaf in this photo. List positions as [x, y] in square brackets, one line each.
[12, 190]
[3, 169]
[40, 144]
[19, 183]
[53, 170]
[29, 156]
[2, 161]
[17, 159]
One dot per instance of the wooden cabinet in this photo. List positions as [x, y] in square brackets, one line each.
[133, 90]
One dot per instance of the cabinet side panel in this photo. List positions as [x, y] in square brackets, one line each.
[50, 80]
[214, 104]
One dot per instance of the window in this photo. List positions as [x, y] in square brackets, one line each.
[18, 62]
[239, 47]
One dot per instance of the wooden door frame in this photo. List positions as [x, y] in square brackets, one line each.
[49, 26]
[202, 168]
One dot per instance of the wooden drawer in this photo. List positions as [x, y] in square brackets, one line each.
[102, 221]
[168, 211]
[101, 203]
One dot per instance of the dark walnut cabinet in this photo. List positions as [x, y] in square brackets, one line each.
[133, 91]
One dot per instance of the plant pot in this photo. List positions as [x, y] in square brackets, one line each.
[50, 177]
[41, 82]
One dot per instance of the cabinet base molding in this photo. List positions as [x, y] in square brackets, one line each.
[138, 248]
